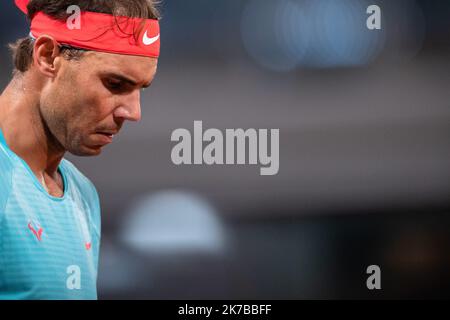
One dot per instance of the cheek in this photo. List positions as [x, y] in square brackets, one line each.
[99, 109]
[92, 102]
[92, 107]
[56, 105]
[98, 102]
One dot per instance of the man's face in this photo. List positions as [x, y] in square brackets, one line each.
[89, 100]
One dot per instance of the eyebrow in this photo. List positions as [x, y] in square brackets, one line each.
[126, 79]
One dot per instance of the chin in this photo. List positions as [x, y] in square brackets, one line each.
[87, 151]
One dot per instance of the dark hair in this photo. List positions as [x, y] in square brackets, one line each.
[22, 49]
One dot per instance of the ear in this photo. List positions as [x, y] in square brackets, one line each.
[45, 54]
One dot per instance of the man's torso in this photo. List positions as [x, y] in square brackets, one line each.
[48, 246]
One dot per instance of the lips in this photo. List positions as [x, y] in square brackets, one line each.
[110, 135]
[104, 137]
[112, 130]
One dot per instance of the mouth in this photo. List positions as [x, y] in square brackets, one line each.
[109, 135]
[105, 137]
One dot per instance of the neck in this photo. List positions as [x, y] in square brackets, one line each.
[24, 129]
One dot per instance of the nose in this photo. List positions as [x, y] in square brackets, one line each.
[129, 107]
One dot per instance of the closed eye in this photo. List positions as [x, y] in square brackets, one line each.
[114, 85]
[121, 84]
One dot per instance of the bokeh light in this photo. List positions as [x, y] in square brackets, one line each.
[284, 35]
[170, 221]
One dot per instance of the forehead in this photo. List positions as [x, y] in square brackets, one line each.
[141, 69]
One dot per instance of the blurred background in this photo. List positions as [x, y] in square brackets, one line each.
[364, 177]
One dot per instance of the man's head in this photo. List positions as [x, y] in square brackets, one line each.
[84, 96]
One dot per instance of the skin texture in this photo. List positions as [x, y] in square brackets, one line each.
[60, 106]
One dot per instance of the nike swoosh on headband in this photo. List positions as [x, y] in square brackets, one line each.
[149, 41]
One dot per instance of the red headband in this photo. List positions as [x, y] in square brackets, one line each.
[100, 32]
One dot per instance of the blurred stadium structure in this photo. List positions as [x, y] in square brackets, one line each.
[364, 176]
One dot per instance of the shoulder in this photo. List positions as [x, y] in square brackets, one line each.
[6, 173]
[80, 181]
[85, 193]
[83, 187]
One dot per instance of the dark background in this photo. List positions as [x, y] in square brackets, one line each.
[364, 176]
